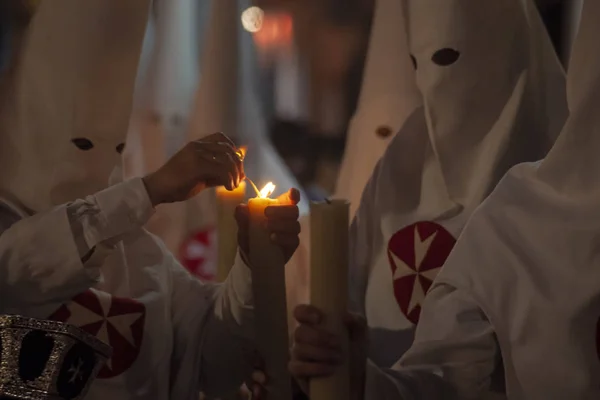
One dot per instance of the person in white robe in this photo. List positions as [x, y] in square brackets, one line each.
[522, 282]
[73, 249]
[494, 95]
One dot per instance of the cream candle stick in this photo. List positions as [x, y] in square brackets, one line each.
[227, 228]
[268, 283]
[329, 286]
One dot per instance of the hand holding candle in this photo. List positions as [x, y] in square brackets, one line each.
[268, 236]
[281, 222]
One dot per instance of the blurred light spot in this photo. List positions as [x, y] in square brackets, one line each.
[252, 19]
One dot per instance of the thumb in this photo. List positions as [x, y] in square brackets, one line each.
[291, 197]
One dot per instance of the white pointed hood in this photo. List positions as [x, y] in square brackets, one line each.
[227, 98]
[60, 137]
[481, 124]
[529, 256]
[388, 96]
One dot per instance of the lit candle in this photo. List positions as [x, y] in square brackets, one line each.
[329, 286]
[227, 228]
[268, 284]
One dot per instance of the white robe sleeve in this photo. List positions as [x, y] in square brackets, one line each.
[214, 332]
[454, 354]
[52, 256]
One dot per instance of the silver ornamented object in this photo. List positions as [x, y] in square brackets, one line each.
[47, 360]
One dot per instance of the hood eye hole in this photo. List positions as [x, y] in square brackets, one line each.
[83, 144]
[445, 57]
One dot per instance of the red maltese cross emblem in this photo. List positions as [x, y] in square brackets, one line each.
[199, 254]
[119, 322]
[416, 254]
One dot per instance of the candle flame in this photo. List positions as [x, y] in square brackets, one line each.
[267, 190]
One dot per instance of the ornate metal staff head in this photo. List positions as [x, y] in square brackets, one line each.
[47, 360]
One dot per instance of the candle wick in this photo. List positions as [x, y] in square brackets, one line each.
[253, 187]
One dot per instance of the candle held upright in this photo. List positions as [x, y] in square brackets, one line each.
[227, 228]
[268, 284]
[329, 287]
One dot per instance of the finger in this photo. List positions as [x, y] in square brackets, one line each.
[259, 377]
[310, 335]
[222, 153]
[231, 158]
[222, 174]
[208, 147]
[225, 178]
[233, 153]
[282, 212]
[308, 353]
[284, 226]
[303, 370]
[218, 137]
[291, 197]
[307, 314]
[222, 139]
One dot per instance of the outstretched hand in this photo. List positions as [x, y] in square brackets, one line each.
[208, 162]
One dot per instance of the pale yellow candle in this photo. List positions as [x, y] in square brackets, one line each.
[329, 286]
[227, 228]
[268, 283]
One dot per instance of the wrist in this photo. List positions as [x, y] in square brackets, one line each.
[151, 189]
